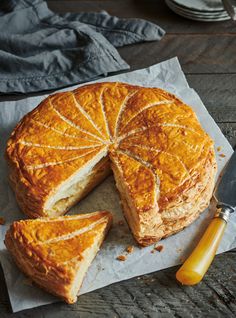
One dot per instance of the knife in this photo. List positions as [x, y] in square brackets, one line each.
[229, 9]
[197, 264]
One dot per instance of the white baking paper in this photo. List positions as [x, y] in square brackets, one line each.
[106, 269]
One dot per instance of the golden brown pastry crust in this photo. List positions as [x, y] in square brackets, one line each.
[52, 251]
[161, 157]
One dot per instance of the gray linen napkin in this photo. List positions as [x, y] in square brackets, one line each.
[41, 50]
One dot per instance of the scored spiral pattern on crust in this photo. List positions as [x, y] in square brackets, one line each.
[151, 136]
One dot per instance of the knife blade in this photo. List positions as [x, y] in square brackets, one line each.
[229, 9]
[225, 191]
[197, 264]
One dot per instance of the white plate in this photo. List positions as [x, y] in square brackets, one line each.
[195, 17]
[197, 13]
[201, 5]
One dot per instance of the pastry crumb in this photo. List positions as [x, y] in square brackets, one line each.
[2, 221]
[130, 249]
[159, 248]
[121, 222]
[28, 282]
[222, 155]
[152, 251]
[219, 148]
[121, 258]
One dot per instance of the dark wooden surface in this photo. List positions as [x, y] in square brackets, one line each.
[207, 53]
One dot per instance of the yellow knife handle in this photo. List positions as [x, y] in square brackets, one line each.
[197, 264]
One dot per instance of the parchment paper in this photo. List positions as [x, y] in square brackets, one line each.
[106, 269]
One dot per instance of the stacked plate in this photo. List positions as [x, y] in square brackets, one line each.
[200, 10]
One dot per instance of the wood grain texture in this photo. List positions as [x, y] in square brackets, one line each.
[204, 54]
[207, 54]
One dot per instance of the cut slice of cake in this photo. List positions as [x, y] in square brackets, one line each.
[56, 252]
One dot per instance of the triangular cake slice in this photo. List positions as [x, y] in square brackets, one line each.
[56, 252]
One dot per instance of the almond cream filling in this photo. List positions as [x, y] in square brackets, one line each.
[77, 186]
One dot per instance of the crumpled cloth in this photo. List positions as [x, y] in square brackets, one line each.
[41, 50]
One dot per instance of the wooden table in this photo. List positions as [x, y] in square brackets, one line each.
[207, 53]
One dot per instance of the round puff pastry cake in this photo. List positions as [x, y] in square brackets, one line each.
[163, 161]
